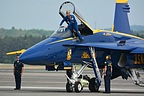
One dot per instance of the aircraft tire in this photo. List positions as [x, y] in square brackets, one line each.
[69, 87]
[78, 87]
[93, 85]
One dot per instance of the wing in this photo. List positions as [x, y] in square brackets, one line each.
[16, 52]
[138, 51]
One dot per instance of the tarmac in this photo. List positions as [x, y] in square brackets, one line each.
[44, 83]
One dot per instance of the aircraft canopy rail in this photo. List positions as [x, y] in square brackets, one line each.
[84, 28]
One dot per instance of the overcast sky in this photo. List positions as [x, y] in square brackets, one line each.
[43, 14]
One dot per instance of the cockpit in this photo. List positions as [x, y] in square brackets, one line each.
[62, 33]
[83, 27]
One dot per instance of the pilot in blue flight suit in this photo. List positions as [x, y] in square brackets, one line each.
[107, 73]
[18, 70]
[72, 23]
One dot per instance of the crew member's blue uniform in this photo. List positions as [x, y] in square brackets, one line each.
[17, 72]
[107, 77]
[72, 24]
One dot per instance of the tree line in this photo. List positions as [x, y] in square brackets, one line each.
[16, 39]
[8, 44]
[138, 33]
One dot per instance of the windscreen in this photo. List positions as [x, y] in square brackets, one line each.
[62, 33]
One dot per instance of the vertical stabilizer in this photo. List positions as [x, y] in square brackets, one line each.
[121, 21]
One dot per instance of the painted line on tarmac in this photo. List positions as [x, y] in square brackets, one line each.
[27, 87]
[63, 88]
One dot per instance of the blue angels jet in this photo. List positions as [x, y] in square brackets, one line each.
[65, 50]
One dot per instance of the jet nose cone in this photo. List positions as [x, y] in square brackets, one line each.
[36, 54]
[26, 57]
[32, 56]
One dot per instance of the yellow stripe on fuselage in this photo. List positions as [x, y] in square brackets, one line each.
[98, 31]
[61, 40]
[67, 68]
[121, 1]
[119, 33]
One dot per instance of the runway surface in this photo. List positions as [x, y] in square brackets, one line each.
[43, 83]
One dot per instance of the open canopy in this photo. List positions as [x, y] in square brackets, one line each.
[84, 28]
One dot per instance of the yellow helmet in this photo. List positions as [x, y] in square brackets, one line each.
[108, 57]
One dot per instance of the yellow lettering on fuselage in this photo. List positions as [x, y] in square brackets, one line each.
[69, 54]
[139, 59]
[85, 55]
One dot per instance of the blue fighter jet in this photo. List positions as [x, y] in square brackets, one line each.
[63, 50]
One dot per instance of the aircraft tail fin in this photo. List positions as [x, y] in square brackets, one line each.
[121, 21]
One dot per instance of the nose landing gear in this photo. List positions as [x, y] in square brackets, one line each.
[76, 81]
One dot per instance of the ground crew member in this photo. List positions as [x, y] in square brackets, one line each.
[107, 73]
[72, 23]
[18, 70]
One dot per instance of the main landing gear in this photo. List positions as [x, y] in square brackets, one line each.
[136, 77]
[76, 81]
